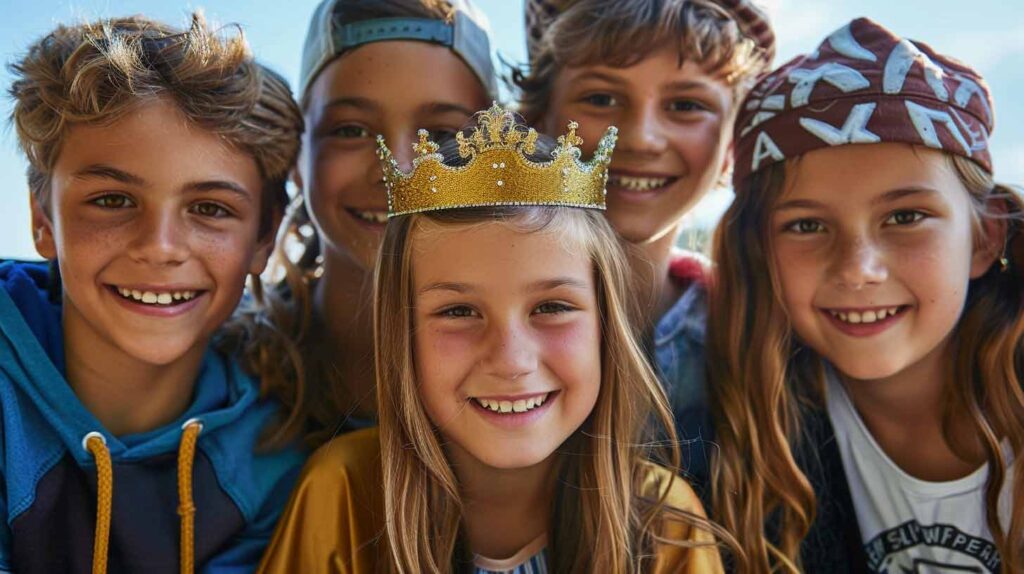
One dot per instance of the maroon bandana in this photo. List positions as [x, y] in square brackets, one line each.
[864, 85]
[752, 21]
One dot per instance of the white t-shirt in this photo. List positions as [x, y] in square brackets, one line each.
[910, 525]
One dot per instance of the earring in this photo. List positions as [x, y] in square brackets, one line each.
[1004, 263]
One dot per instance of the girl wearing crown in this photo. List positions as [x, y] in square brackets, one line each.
[361, 76]
[866, 319]
[513, 400]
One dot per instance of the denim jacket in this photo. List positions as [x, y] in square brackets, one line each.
[833, 544]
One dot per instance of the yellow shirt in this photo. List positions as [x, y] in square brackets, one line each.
[334, 522]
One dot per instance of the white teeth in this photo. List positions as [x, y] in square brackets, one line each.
[155, 298]
[372, 216]
[856, 317]
[637, 183]
[519, 406]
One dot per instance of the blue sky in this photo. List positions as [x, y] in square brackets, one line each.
[988, 34]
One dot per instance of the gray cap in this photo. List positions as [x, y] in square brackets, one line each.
[467, 34]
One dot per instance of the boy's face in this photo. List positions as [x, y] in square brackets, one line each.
[154, 223]
[674, 124]
[385, 88]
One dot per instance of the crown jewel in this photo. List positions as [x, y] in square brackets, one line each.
[497, 170]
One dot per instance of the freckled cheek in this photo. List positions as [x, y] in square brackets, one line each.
[698, 144]
[445, 353]
[337, 173]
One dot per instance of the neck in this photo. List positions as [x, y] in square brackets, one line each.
[126, 395]
[519, 500]
[649, 263]
[342, 303]
[904, 413]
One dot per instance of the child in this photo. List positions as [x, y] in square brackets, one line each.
[157, 164]
[511, 391]
[866, 319]
[670, 75]
[362, 75]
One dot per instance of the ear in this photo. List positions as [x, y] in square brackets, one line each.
[725, 174]
[296, 178]
[992, 239]
[42, 230]
[261, 256]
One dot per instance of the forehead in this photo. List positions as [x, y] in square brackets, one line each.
[495, 253]
[155, 141]
[866, 170]
[660, 68]
[398, 74]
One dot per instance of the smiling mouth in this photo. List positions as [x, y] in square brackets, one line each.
[639, 183]
[376, 217]
[156, 298]
[513, 407]
[854, 317]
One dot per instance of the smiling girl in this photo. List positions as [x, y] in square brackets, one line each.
[514, 403]
[362, 76]
[866, 318]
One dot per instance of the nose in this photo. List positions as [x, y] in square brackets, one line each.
[859, 264]
[160, 238]
[512, 352]
[400, 142]
[642, 130]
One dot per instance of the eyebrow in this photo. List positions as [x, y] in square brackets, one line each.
[445, 108]
[365, 104]
[220, 185]
[595, 75]
[886, 197]
[104, 171]
[542, 285]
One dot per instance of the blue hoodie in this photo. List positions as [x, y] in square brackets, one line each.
[49, 479]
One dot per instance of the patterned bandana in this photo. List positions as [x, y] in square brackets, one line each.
[752, 21]
[864, 85]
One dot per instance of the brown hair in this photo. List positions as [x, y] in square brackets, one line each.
[297, 368]
[96, 72]
[602, 521]
[620, 33]
[760, 396]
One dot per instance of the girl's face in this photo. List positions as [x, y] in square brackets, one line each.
[873, 246]
[673, 125]
[507, 340]
[389, 88]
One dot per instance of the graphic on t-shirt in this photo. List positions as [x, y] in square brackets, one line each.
[912, 548]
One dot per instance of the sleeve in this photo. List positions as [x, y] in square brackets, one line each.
[703, 555]
[333, 521]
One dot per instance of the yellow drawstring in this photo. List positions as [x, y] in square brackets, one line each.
[186, 509]
[95, 444]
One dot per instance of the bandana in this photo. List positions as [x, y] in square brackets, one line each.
[864, 85]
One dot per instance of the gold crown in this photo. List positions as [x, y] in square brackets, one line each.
[498, 171]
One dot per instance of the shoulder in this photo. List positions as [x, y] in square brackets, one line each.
[355, 456]
[656, 479]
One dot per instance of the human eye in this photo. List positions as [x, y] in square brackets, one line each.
[210, 209]
[349, 131]
[438, 135]
[113, 201]
[905, 217]
[686, 105]
[804, 226]
[600, 100]
[457, 312]
[553, 308]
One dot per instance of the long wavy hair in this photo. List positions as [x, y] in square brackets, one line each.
[601, 521]
[765, 380]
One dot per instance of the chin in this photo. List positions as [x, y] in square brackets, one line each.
[865, 371]
[166, 353]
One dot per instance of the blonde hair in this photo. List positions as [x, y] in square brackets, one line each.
[94, 73]
[600, 522]
[761, 397]
[620, 33]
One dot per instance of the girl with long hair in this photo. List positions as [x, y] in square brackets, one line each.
[518, 417]
[866, 318]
